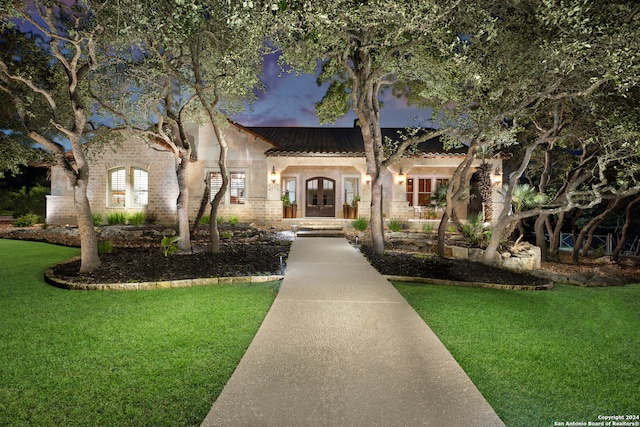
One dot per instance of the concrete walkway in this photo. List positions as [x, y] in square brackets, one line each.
[341, 347]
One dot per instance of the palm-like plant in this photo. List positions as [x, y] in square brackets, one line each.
[525, 197]
[484, 181]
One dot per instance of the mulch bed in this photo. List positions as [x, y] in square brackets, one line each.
[434, 267]
[148, 264]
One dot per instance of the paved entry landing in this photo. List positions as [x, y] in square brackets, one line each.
[341, 347]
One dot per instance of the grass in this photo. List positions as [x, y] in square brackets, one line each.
[569, 354]
[156, 358]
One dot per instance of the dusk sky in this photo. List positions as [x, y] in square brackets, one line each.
[290, 101]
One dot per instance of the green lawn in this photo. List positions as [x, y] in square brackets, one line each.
[114, 358]
[570, 354]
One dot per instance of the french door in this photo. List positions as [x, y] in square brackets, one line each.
[321, 195]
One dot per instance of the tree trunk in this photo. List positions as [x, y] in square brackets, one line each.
[89, 258]
[377, 222]
[442, 230]
[498, 231]
[214, 235]
[625, 228]
[554, 238]
[575, 253]
[541, 241]
[184, 244]
[206, 194]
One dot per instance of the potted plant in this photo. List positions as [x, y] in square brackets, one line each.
[350, 211]
[289, 210]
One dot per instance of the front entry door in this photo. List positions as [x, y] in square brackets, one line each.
[321, 197]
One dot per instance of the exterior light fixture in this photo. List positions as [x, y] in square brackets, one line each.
[400, 176]
[273, 174]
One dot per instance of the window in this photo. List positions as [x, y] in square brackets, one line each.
[117, 187]
[140, 187]
[350, 189]
[236, 186]
[421, 190]
[131, 190]
[289, 188]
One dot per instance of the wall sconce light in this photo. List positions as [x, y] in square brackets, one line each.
[273, 174]
[367, 178]
[400, 176]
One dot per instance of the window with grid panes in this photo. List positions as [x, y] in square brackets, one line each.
[128, 189]
[236, 186]
[140, 186]
[420, 191]
[117, 187]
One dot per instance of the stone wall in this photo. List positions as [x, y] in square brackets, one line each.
[525, 258]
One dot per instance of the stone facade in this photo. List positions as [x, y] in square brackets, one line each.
[266, 176]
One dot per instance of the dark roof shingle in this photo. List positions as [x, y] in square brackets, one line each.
[327, 141]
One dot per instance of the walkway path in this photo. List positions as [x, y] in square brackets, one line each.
[341, 347]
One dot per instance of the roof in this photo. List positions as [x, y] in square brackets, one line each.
[331, 141]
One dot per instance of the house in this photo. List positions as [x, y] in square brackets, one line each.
[319, 169]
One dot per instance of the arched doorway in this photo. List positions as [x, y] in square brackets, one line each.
[321, 195]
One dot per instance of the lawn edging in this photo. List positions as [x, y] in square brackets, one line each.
[408, 279]
[52, 280]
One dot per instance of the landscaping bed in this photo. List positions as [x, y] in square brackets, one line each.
[137, 257]
[430, 266]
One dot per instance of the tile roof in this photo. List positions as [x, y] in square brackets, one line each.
[327, 141]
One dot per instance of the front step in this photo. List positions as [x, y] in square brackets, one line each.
[319, 228]
[320, 232]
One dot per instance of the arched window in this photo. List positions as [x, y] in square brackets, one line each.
[128, 187]
[117, 187]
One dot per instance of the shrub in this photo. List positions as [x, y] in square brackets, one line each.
[233, 220]
[116, 218]
[226, 235]
[97, 219]
[105, 246]
[26, 220]
[137, 219]
[219, 220]
[473, 230]
[29, 201]
[396, 225]
[427, 227]
[206, 219]
[360, 224]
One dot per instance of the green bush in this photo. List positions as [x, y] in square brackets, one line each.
[427, 227]
[137, 219]
[27, 220]
[205, 220]
[116, 218]
[105, 246]
[360, 224]
[396, 225]
[226, 235]
[219, 220]
[97, 219]
[29, 201]
[233, 220]
[473, 230]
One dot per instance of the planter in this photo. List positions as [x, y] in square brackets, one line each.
[349, 212]
[289, 211]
